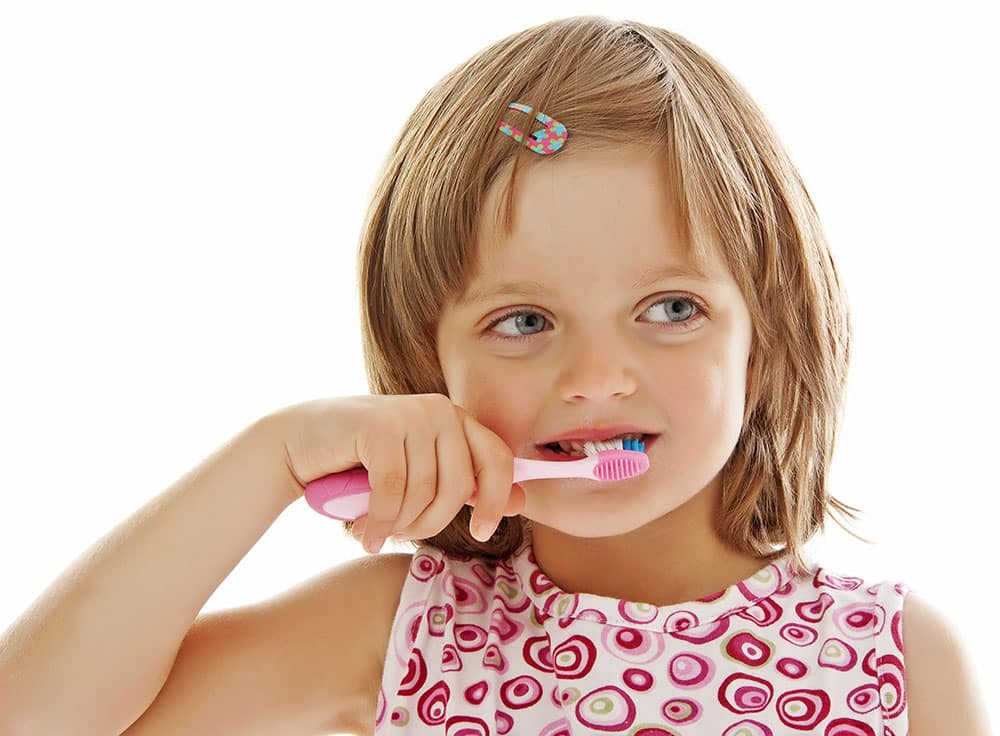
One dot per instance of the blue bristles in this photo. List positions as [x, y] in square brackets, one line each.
[635, 445]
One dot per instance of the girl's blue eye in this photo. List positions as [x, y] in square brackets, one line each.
[528, 318]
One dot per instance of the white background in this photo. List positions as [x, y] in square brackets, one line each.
[181, 192]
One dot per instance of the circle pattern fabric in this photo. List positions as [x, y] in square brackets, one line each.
[480, 649]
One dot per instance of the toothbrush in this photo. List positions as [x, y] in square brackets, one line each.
[344, 495]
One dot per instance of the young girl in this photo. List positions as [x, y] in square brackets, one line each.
[587, 230]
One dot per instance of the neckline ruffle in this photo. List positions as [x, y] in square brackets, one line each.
[748, 598]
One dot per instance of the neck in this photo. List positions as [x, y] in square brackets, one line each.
[676, 558]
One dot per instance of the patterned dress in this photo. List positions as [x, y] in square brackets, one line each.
[479, 648]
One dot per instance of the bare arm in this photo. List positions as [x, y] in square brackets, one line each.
[942, 684]
[91, 653]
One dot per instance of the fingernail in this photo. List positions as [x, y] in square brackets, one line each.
[482, 532]
[397, 538]
[375, 545]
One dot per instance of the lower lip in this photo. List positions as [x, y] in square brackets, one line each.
[552, 455]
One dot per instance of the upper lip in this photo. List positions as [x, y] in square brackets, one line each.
[598, 433]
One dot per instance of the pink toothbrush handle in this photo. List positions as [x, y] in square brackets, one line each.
[344, 495]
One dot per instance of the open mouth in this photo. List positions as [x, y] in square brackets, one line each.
[552, 451]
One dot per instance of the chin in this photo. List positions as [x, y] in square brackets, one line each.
[594, 510]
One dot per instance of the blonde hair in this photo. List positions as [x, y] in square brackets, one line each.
[610, 81]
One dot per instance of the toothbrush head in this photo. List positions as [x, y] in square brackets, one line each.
[619, 464]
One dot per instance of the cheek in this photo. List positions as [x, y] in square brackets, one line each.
[497, 402]
[467, 383]
[707, 399]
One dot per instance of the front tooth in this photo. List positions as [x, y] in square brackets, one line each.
[592, 447]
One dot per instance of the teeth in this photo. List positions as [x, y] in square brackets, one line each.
[592, 447]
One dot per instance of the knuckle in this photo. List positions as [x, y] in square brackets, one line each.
[424, 488]
[429, 402]
[391, 481]
[391, 428]
[442, 401]
[441, 408]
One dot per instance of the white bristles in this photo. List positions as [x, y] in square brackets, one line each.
[592, 447]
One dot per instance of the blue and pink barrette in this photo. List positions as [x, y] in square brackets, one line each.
[545, 141]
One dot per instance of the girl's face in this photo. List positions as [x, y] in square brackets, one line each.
[602, 340]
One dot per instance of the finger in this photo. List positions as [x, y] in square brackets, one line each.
[454, 480]
[421, 478]
[456, 474]
[386, 463]
[515, 504]
[358, 527]
[493, 464]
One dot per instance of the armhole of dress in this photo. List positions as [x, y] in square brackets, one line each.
[413, 603]
[890, 661]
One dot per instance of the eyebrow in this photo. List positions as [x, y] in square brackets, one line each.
[534, 288]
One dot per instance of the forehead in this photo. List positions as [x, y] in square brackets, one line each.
[586, 203]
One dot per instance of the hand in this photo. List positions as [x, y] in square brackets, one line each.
[423, 454]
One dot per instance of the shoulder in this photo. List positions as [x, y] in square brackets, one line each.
[385, 585]
[377, 582]
[373, 581]
[392, 568]
[942, 686]
[377, 579]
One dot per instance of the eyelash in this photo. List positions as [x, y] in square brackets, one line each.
[684, 297]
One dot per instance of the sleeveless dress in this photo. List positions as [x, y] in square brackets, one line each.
[478, 648]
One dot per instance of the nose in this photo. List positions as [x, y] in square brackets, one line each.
[596, 366]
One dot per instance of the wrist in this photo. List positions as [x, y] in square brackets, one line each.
[270, 435]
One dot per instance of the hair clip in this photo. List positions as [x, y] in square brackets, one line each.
[546, 141]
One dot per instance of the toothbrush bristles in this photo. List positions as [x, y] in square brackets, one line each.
[591, 449]
[630, 444]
